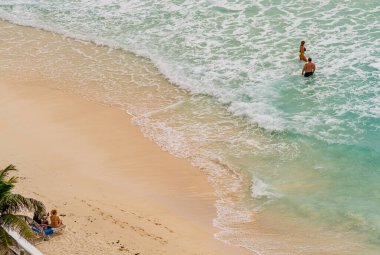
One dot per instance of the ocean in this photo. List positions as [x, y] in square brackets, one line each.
[294, 161]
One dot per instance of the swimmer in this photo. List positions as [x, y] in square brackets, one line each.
[302, 51]
[309, 68]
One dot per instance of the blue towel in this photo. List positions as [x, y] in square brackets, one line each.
[48, 231]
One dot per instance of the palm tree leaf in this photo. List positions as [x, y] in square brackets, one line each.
[10, 204]
[5, 240]
[5, 188]
[7, 185]
[13, 203]
[18, 224]
[5, 172]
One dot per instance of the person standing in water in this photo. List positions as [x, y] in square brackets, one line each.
[309, 68]
[302, 51]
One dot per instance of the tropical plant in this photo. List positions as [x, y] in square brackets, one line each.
[11, 208]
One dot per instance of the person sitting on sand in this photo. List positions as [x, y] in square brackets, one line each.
[309, 68]
[37, 216]
[44, 220]
[302, 51]
[55, 221]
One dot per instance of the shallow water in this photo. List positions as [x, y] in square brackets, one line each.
[294, 161]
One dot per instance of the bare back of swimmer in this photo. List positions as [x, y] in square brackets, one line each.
[309, 68]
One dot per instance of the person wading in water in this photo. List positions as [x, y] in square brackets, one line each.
[309, 68]
[302, 51]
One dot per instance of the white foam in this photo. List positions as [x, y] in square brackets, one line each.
[260, 189]
[202, 60]
[244, 62]
[376, 65]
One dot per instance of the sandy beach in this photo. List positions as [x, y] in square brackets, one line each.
[186, 127]
[120, 192]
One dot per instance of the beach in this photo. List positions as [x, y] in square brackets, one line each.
[120, 193]
[178, 127]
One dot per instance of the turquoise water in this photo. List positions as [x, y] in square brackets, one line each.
[273, 143]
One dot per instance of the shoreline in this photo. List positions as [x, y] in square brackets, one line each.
[120, 192]
[66, 128]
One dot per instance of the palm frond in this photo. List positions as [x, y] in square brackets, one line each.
[13, 203]
[5, 241]
[5, 188]
[5, 172]
[10, 204]
[13, 180]
[18, 224]
[7, 185]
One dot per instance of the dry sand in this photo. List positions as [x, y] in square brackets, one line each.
[120, 192]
